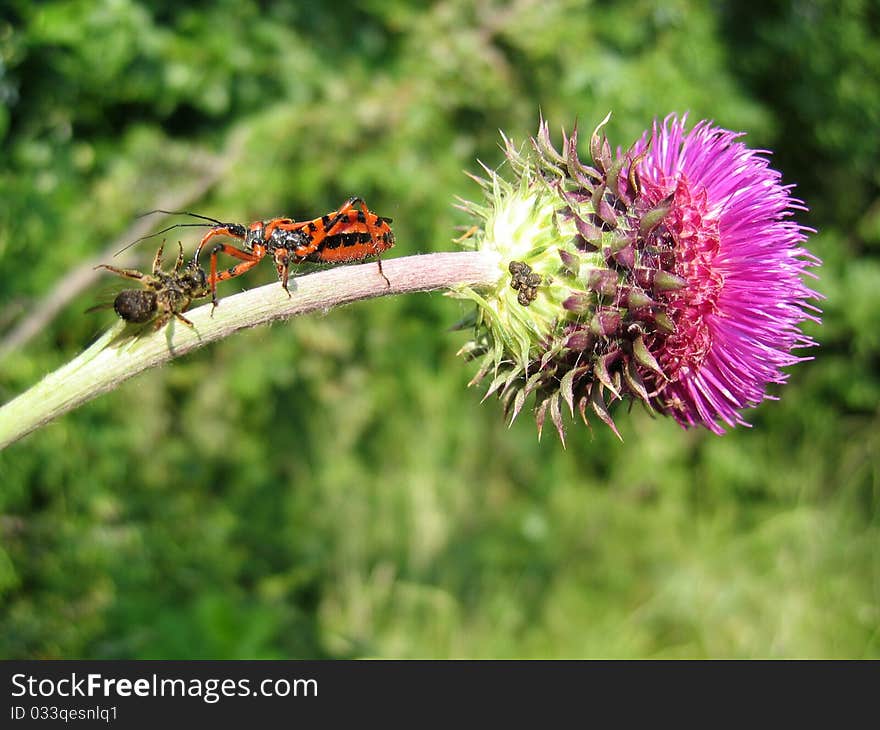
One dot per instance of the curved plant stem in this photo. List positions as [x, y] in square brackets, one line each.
[124, 351]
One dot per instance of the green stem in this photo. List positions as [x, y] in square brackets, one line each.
[123, 351]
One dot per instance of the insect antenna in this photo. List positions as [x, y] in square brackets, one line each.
[180, 212]
[164, 230]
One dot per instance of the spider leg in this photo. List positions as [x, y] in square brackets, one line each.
[184, 319]
[178, 265]
[127, 273]
[157, 260]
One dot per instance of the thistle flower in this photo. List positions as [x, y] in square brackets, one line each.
[668, 274]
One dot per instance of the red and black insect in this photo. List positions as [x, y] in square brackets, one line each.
[350, 233]
[166, 294]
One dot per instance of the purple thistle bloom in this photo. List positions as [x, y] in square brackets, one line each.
[671, 273]
[737, 321]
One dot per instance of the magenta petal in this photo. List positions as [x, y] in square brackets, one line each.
[739, 319]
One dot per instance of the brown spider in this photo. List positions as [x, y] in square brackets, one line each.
[166, 294]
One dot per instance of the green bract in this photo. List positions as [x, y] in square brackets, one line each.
[580, 281]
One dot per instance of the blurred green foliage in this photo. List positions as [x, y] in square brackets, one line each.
[330, 488]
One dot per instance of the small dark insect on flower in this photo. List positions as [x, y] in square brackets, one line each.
[166, 294]
[523, 280]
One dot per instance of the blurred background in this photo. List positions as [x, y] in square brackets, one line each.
[330, 487]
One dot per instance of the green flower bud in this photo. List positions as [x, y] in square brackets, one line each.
[575, 295]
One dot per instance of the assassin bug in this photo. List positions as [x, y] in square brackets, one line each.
[166, 294]
[350, 233]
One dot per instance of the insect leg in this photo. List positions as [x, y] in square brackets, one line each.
[285, 224]
[382, 273]
[354, 200]
[233, 230]
[249, 260]
[282, 266]
[342, 214]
